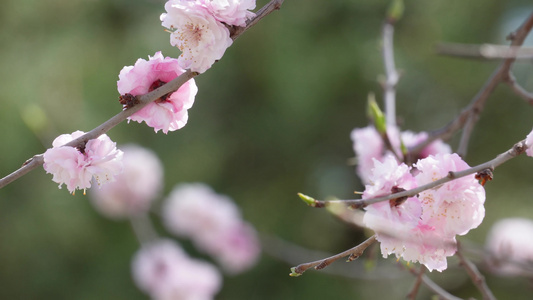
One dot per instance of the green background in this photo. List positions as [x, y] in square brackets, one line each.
[271, 119]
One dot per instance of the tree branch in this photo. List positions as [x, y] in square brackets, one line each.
[433, 286]
[353, 254]
[485, 51]
[519, 90]
[37, 160]
[392, 77]
[416, 286]
[516, 150]
[475, 275]
[476, 105]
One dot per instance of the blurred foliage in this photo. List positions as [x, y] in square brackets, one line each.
[271, 119]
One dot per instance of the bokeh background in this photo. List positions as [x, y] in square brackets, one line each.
[271, 119]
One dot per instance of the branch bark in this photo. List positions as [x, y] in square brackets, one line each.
[475, 275]
[516, 150]
[353, 254]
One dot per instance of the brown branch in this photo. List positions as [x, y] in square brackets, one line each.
[516, 150]
[433, 286]
[416, 286]
[37, 160]
[260, 14]
[519, 90]
[475, 275]
[353, 254]
[474, 109]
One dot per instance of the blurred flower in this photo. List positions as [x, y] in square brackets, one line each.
[237, 248]
[231, 12]
[199, 36]
[168, 112]
[368, 145]
[213, 222]
[510, 246]
[529, 144]
[164, 271]
[134, 190]
[76, 167]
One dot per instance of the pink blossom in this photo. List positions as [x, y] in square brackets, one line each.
[510, 247]
[529, 144]
[231, 12]
[388, 218]
[199, 36]
[426, 246]
[368, 145]
[411, 139]
[164, 271]
[455, 207]
[134, 189]
[214, 224]
[423, 228]
[168, 112]
[76, 167]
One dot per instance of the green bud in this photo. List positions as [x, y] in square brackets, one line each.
[293, 272]
[403, 148]
[376, 115]
[308, 200]
[395, 12]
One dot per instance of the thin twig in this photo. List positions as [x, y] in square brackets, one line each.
[519, 90]
[260, 14]
[353, 254]
[416, 285]
[433, 286]
[392, 77]
[462, 149]
[485, 51]
[292, 254]
[143, 228]
[477, 103]
[516, 150]
[475, 275]
[37, 160]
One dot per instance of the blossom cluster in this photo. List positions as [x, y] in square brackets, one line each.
[420, 228]
[423, 228]
[168, 113]
[199, 28]
[76, 167]
[368, 146]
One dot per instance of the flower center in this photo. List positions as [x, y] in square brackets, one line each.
[190, 36]
[156, 84]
